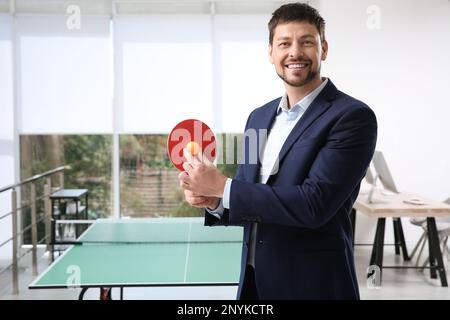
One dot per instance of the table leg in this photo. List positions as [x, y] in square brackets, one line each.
[77, 215]
[402, 240]
[86, 214]
[83, 291]
[105, 293]
[378, 246]
[396, 236]
[436, 261]
[53, 238]
[87, 207]
[53, 231]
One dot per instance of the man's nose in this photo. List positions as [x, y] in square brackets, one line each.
[296, 51]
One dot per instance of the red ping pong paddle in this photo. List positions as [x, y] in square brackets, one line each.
[194, 135]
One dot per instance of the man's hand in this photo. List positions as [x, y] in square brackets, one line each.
[201, 177]
[200, 201]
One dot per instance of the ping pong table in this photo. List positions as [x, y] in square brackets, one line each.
[118, 253]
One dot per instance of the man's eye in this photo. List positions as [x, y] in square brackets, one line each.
[283, 44]
[308, 43]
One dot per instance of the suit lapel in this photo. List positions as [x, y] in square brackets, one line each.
[266, 119]
[314, 111]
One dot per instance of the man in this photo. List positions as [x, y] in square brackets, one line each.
[297, 231]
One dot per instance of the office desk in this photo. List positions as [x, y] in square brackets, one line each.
[393, 206]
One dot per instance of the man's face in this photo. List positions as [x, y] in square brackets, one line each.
[297, 52]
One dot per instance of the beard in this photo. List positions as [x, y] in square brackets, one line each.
[312, 74]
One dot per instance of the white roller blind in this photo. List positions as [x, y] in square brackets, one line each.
[163, 71]
[6, 111]
[248, 78]
[6, 85]
[65, 75]
[6, 132]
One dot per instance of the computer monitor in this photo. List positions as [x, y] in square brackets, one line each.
[383, 172]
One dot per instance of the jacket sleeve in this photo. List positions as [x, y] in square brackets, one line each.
[336, 171]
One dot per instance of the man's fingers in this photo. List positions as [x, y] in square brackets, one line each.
[187, 155]
[189, 193]
[196, 201]
[196, 160]
[206, 160]
[187, 167]
[183, 176]
[184, 180]
[192, 159]
[201, 158]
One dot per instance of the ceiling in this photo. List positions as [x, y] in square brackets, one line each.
[107, 7]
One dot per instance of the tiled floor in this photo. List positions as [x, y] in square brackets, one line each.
[397, 284]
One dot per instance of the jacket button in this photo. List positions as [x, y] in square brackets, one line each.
[260, 242]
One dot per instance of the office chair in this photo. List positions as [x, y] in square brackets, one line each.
[443, 228]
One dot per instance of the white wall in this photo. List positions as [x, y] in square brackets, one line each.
[401, 70]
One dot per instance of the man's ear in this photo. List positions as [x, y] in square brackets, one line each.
[324, 49]
[270, 51]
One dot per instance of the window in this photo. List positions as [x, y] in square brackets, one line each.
[89, 158]
[166, 68]
[149, 182]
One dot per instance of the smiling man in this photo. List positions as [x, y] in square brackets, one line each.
[294, 204]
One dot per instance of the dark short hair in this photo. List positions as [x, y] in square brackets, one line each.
[296, 12]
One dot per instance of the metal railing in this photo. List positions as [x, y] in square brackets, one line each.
[34, 221]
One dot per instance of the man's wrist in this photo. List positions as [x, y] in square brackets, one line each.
[217, 212]
[221, 188]
[215, 207]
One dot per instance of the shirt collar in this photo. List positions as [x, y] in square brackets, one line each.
[304, 103]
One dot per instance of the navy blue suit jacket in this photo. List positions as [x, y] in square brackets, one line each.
[304, 245]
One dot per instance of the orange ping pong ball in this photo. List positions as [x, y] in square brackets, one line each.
[193, 148]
